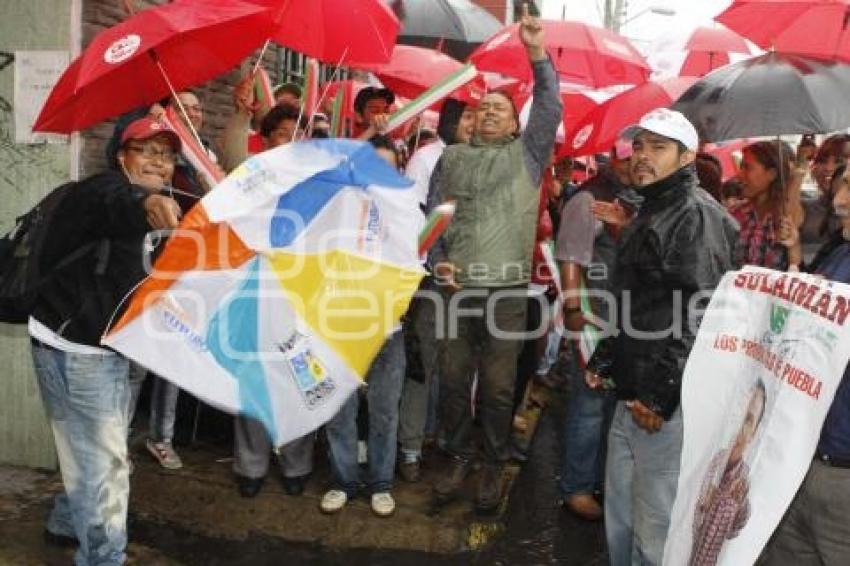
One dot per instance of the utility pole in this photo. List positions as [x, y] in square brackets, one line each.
[619, 14]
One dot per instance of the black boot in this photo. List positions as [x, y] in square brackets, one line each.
[447, 487]
[249, 487]
[294, 485]
[489, 493]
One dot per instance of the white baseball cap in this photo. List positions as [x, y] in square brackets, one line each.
[667, 123]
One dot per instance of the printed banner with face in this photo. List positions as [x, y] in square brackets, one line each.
[768, 358]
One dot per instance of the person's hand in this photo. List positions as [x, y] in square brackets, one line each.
[444, 273]
[575, 321]
[592, 380]
[611, 213]
[243, 95]
[379, 123]
[531, 34]
[163, 213]
[788, 234]
[645, 418]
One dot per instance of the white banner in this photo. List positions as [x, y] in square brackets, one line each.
[767, 361]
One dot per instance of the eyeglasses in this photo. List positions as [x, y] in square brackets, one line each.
[151, 152]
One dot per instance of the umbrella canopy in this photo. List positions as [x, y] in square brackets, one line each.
[255, 298]
[815, 28]
[340, 32]
[769, 95]
[413, 70]
[124, 67]
[598, 130]
[582, 54]
[458, 20]
[696, 54]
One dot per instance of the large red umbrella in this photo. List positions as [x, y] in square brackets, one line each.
[582, 54]
[340, 32]
[599, 129]
[413, 70]
[124, 67]
[814, 28]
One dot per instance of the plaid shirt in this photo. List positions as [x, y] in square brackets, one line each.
[757, 244]
[722, 509]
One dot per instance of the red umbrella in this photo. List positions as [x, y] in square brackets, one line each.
[125, 66]
[709, 49]
[696, 54]
[413, 70]
[348, 32]
[814, 28]
[729, 155]
[599, 129]
[583, 54]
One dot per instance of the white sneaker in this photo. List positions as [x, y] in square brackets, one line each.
[164, 454]
[333, 501]
[383, 504]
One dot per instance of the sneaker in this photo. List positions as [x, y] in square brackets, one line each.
[489, 493]
[164, 454]
[410, 471]
[383, 504]
[450, 483]
[333, 501]
[584, 506]
[295, 485]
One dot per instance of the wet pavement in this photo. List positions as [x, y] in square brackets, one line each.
[194, 516]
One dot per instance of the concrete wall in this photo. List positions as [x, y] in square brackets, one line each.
[27, 172]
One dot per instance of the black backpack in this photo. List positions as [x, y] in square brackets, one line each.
[21, 273]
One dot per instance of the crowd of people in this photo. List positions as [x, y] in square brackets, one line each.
[653, 221]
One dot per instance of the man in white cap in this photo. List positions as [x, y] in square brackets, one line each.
[675, 249]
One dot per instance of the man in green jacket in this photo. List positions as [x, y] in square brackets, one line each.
[484, 264]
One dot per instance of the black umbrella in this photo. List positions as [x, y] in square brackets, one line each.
[771, 94]
[458, 26]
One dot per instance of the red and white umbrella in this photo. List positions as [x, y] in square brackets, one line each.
[697, 54]
[582, 54]
[598, 130]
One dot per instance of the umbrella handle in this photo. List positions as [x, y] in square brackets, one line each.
[260, 58]
[175, 98]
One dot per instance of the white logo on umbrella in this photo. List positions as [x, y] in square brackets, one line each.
[582, 136]
[122, 49]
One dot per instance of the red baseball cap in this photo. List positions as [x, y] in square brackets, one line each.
[146, 128]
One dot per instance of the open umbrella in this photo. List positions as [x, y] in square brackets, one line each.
[131, 64]
[815, 28]
[696, 54]
[413, 70]
[255, 299]
[347, 32]
[598, 130]
[582, 54]
[456, 26]
[769, 95]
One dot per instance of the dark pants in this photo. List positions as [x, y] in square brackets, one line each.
[476, 319]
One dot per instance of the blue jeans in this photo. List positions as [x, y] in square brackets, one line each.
[87, 401]
[641, 477]
[383, 392]
[163, 409]
[586, 426]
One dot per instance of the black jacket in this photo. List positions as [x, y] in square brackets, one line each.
[78, 302]
[679, 243]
